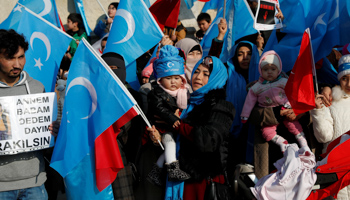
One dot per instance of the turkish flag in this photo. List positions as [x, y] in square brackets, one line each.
[166, 12]
[300, 86]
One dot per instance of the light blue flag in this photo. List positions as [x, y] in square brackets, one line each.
[213, 4]
[79, 8]
[95, 100]
[148, 4]
[211, 33]
[321, 16]
[131, 76]
[47, 45]
[134, 31]
[44, 8]
[189, 3]
[240, 21]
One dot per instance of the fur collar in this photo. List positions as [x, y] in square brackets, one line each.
[338, 93]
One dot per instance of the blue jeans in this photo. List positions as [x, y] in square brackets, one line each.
[34, 193]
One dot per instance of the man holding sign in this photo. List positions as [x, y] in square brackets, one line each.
[22, 175]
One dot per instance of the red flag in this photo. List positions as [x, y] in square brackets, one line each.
[300, 86]
[107, 154]
[166, 12]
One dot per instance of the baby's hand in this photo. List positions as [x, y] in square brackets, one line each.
[176, 124]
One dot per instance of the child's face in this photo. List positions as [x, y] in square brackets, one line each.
[171, 83]
[111, 11]
[203, 25]
[345, 83]
[269, 72]
[70, 24]
[145, 80]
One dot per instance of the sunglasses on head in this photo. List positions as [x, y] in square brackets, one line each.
[208, 61]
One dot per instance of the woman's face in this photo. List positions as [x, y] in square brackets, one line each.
[194, 55]
[200, 77]
[243, 56]
[345, 83]
[111, 11]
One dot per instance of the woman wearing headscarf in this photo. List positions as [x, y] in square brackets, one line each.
[203, 130]
[193, 52]
[242, 70]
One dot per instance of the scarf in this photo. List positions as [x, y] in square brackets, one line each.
[217, 79]
[181, 94]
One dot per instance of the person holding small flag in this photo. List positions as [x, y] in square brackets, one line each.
[329, 123]
[103, 27]
[269, 92]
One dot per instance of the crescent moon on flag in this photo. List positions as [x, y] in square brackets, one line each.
[129, 21]
[47, 9]
[88, 85]
[43, 38]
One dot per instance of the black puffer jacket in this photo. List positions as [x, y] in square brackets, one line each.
[207, 154]
[162, 104]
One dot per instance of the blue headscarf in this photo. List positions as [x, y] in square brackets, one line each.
[169, 62]
[217, 79]
[236, 84]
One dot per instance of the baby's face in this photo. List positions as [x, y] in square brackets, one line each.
[171, 83]
[269, 72]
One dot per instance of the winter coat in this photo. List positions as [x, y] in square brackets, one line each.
[268, 95]
[204, 151]
[331, 122]
[162, 104]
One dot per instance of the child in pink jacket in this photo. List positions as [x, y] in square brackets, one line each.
[269, 92]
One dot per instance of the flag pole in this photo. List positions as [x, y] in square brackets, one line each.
[313, 61]
[224, 9]
[103, 8]
[138, 109]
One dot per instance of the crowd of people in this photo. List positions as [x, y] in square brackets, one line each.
[202, 111]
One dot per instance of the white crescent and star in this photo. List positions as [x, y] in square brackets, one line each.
[129, 21]
[47, 43]
[319, 20]
[47, 8]
[88, 85]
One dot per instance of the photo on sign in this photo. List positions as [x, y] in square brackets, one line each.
[266, 13]
[5, 123]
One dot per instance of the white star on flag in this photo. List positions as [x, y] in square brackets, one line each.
[38, 63]
[18, 8]
[319, 20]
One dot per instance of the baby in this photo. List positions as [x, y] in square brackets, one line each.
[169, 94]
[269, 92]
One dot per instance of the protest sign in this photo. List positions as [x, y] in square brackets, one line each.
[24, 122]
[265, 16]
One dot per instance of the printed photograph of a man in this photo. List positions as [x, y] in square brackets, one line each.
[5, 126]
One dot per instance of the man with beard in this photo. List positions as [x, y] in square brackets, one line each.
[22, 175]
